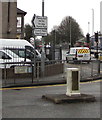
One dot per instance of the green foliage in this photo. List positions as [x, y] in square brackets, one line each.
[28, 31]
[62, 33]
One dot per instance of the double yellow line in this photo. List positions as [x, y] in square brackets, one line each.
[18, 88]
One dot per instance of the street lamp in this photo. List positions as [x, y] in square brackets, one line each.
[92, 21]
[88, 27]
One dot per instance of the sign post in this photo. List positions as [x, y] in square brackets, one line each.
[40, 29]
[34, 68]
[43, 52]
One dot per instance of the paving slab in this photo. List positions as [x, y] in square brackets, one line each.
[63, 98]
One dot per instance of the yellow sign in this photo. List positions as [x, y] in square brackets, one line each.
[83, 51]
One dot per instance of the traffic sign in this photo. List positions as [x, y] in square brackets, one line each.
[33, 20]
[40, 32]
[39, 21]
[40, 25]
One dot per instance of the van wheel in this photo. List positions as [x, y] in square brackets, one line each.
[12, 66]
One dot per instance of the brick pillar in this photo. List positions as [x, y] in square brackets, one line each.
[101, 17]
[0, 19]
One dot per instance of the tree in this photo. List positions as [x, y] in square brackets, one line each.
[28, 32]
[62, 32]
[70, 28]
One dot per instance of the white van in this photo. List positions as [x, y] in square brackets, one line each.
[78, 53]
[7, 56]
[20, 47]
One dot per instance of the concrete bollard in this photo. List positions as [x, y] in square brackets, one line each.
[73, 81]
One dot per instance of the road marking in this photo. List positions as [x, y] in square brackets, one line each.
[92, 81]
[18, 88]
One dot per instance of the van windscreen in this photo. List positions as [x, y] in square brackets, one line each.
[72, 51]
[23, 52]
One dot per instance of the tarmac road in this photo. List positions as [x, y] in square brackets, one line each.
[28, 103]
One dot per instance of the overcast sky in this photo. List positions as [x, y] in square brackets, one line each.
[57, 10]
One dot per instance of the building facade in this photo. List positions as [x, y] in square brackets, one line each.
[0, 20]
[8, 19]
[101, 17]
[11, 20]
[20, 23]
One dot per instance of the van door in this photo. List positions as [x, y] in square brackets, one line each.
[83, 54]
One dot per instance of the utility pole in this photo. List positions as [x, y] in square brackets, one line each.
[96, 39]
[70, 31]
[43, 52]
[92, 22]
[88, 27]
[33, 39]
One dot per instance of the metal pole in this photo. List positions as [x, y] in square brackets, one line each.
[43, 8]
[70, 31]
[42, 53]
[92, 21]
[98, 67]
[88, 27]
[53, 54]
[97, 50]
[34, 56]
[33, 67]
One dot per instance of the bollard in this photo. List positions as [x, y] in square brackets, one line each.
[73, 94]
[73, 81]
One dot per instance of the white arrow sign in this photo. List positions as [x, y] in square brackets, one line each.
[40, 22]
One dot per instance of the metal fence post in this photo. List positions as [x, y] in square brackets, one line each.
[5, 74]
[81, 70]
[38, 66]
[91, 68]
[98, 67]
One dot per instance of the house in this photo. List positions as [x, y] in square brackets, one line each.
[8, 19]
[101, 17]
[20, 23]
[11, 20]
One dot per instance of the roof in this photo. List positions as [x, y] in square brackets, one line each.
[19, 12]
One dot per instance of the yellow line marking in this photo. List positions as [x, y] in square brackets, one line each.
[31, 87]
[92, 81]
[47, 85]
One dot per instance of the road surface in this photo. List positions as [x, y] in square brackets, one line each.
[28, 103]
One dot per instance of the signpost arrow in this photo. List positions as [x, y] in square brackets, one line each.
[40, 22]
[33, 20]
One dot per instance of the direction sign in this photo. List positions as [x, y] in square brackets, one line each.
[40, 22]
[40, 32]
[40, 25]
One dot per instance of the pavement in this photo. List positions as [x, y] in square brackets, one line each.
[52, 80]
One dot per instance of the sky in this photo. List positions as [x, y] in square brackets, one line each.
[57, 10]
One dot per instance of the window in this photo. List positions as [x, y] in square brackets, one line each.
[28, 53]
[4, 55]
